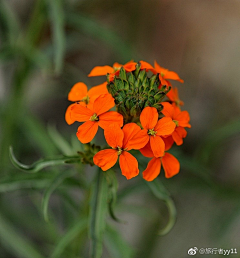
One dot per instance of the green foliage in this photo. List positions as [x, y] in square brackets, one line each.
[98, 212]
[39, 165]
[161, 193]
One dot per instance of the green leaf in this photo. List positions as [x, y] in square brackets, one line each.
[161, 193]
[116, 245]
[59, 141]
[98, 212]
[57, 16]
[69, 236]
[16, 243]
[54, 184]
[112, 192]
[37, 166]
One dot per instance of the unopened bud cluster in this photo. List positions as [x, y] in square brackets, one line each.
[133, 91]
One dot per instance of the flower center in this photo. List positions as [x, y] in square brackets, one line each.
[119, 151]
[152, 132]
[176, 122]
[86, 100]
[94, 118]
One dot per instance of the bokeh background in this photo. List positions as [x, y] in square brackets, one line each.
[48, 46]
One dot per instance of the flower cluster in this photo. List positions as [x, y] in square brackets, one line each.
[148, 117]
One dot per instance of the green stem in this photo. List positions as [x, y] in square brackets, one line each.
[98, 214]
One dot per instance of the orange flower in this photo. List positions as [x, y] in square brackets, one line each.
[173, 96]
[97, 116]
[152, 131]
[104, 70]
[166, 74]
[181, 118]
[170, 164]
[114, 71]
[79, 93]
[119, 140]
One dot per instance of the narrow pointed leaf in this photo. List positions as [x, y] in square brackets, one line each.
[98, 212]
[112, 192]
[161, 193]
[37, 166]
[54, 184]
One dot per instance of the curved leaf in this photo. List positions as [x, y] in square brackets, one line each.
[37, 166]
[112, 192]
[161, 193]
[54, 184]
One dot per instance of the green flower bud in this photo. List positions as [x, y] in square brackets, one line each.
[133, 91]
[122, 74]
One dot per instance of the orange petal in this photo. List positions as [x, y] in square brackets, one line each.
[105, 159]
[170, 164]
[157, 146]
[130, 66]
[128, 165]
[114, 136]
[139, 140]
[101, 70]
[68, 114]
[149, 117]
[172, 76]
[177, 138]
[80, 113]
[183, 119]
[153, 169]
[110, 117]
[117, 65]
[129, 131]
[168, 109]
[98, 90]
[168, 142]
[103, 103]
[163, 81]
[173, 96]
[165, 126]
[78, 92]
[146, 66]
[147, 151]
[158, 68]
[178, 135]
[87, 131]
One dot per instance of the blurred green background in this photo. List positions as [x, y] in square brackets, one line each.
[46, 46]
